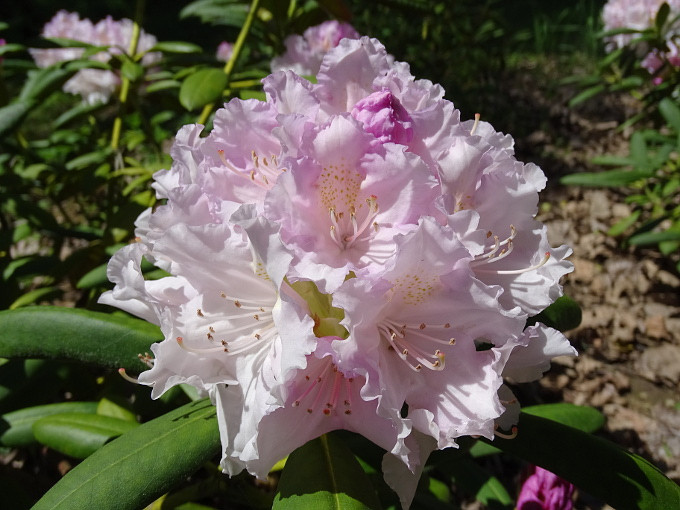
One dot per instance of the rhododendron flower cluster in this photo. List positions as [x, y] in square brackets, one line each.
[94, 85]
[346, 255]
[305, 52]
[641, 15]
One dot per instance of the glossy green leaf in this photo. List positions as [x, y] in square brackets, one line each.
[564, 314]
[16, 427]
[610, 178]
[135, 469]
[34, 297]
[598, 467]
[162, 85]
[586, 419]
[654, 237]
[481, 449]
[107, 407]
[201, 88]
[78, 434]
[583, 418]
[323, 473]
[93, 278]
[67, 333]
[176, 47]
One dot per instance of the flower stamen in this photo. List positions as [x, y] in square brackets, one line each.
[512, 435]
[330, 384]
[401, 340]
[125, 376]
[476, 123]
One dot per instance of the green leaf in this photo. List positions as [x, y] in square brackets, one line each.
[624, 224]
[78, 111]
[217, 12]
[670, 112]
[130, 69]
[162, 85]
[202, 88]
[10, 48]
[627, 83]
[93, 278]
[42, 82]
[323, 473]
[78, 434]
[638, 150]
[583, 418]
[654, 237]
[88, 159]
[12, 115]
[176, 47]
[662, 16]
[36, 296]
[16, 427]
[135, 469]
[67, 333]
[586, 419]
[586, 94]
[480, 449]
[611, 178]
[598, 467]
[564, 314]
[610, 160]
[252, 94]
[107, 407]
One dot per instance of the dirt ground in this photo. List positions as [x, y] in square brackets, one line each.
[629, 340]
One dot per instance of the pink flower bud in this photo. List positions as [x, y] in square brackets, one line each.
[544, 490]
[383, 116]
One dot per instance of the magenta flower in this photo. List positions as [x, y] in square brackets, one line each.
[544, 490]
[341, 252]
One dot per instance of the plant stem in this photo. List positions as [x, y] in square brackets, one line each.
[238, 46]
[125, 84]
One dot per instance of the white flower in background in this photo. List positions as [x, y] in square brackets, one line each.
[94, 85]
[305, 52]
